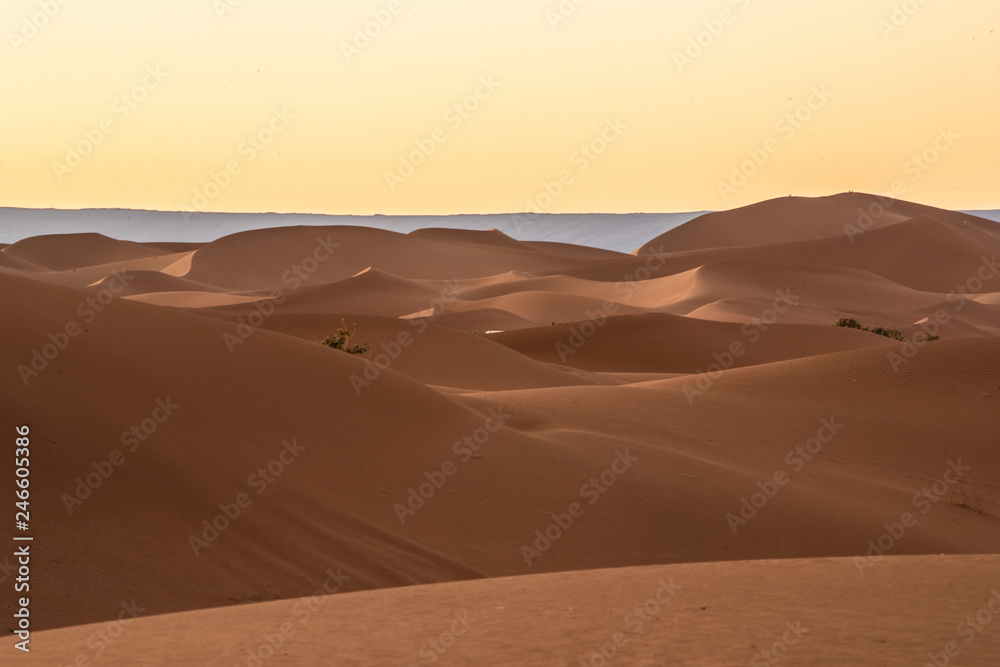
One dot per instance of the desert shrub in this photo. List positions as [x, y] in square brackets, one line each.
[848, 322]
[895, 334]
[342, 341]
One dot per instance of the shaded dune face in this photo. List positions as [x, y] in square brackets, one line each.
[522, 409]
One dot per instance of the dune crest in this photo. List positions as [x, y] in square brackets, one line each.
[539, 434]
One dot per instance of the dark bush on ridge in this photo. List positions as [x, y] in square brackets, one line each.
[895, 334]
[342, 341]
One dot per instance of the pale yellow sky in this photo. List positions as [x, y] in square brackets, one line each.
[268, 105]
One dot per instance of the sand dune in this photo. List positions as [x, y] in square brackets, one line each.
[74, 251]
[490, 237]
[481, 319]
[692, 414]
[662, 343]
[416, 348]
[267, 259]
[920, 253]
[805, 612]
[192, 298]
[134, 344]
[89, 276]
[371, 291]
[793, 219]
[541, 308]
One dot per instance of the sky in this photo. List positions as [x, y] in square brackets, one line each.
[423, 107]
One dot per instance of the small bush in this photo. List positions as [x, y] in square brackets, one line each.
[928, 336]
[848, 322]
[342, 341]
[895, 334]
[851, 323]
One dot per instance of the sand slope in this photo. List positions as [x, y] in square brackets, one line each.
[792, 219]
[73, 251]
[812, 612]
[691, 408]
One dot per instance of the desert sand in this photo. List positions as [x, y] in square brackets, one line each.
[540, 437]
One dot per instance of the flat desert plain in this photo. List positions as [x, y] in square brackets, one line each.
[548, 454]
